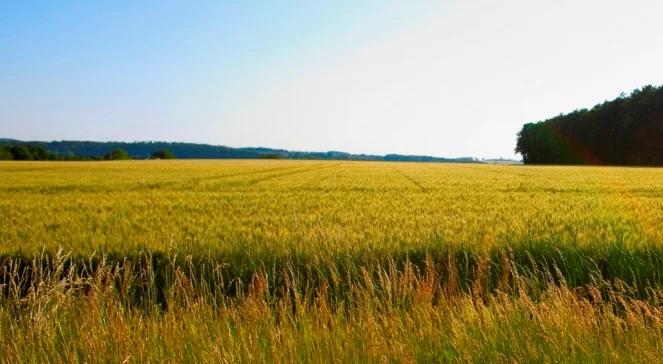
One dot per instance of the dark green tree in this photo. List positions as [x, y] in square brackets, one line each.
[21, 153]
[624, 131]
[40, 154]
[5, 153]
[117, 154]
[163, 154]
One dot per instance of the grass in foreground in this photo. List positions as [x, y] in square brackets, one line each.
[389, 314]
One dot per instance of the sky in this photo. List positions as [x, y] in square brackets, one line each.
[441, 78]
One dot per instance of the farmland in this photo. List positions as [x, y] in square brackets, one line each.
[300, 260]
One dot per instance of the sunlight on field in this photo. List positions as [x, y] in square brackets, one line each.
[321, 206]
[312, 261]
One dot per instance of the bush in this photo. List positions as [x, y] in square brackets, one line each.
[163, 154]
[117, 154]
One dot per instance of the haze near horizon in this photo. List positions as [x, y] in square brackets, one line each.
[453, 78]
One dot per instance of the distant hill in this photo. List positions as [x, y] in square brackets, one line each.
[624, 131]
[143, 150]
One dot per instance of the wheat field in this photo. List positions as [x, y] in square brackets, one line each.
[333, 261]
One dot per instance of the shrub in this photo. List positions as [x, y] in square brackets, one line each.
[163, 154]
[117, 154]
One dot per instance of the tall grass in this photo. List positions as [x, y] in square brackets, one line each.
[74, 312]
[151, 274]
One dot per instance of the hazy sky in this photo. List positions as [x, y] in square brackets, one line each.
[444, 78]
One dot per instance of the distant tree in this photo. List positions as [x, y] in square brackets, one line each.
[271, 156]
[117, 154]
[5, 153]
[69, 156]
[21, 153]
[26, 152]
[40, 154]
[163, 154]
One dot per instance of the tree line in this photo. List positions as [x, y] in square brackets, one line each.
[30, 152]
[90, 150]
[624, 131]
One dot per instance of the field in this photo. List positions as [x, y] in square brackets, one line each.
[243, 261]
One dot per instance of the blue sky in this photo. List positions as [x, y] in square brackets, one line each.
[446, 78]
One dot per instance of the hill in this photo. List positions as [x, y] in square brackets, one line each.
[624, 131]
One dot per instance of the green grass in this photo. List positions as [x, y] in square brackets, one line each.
[208, 261]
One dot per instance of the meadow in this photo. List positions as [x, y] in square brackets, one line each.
[281, 261]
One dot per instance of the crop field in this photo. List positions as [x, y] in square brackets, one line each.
[309, 261]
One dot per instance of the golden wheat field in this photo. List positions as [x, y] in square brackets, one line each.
[329, 261]
[321, 206]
